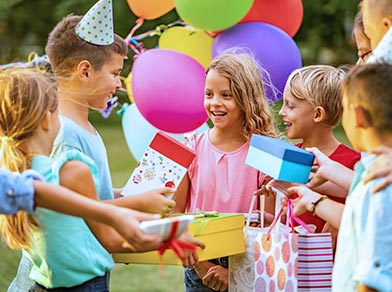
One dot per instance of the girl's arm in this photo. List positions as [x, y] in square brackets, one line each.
[181, 195]
[125, 221]
[381, 167]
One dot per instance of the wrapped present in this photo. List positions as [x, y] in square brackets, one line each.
[279, 159]
[222, 234]
[163, 164]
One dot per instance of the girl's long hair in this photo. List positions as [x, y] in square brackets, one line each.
[26, 95]
[247, 88]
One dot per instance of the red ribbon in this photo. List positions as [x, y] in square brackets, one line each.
[174, 244]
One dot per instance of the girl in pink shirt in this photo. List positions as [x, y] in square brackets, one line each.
[218, 178]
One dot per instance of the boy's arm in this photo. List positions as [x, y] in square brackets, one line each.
[70, 175]
[326, 209]
[381, 167]
[373, 229]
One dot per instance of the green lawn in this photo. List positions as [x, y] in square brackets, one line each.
[124, 278]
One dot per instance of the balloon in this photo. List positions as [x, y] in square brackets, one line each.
[285, 14]
[139, 133]
[193, 42]
[168, 89]
[150, 9]
[212, 14]
[275, 51]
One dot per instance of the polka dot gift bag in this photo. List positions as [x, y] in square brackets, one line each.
[277, 259]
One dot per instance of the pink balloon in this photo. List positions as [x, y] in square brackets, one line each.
[168, 89]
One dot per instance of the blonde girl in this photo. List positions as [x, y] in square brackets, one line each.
[219, 179]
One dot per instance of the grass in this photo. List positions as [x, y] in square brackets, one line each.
[124, 278]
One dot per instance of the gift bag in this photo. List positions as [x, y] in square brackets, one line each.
[262, 263]
[277, 259]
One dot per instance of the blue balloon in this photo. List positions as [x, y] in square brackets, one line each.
[275, 51]
[139, 133]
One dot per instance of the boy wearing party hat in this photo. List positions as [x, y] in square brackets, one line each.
[87, 58]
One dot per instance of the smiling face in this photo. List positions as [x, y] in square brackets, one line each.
[220, 104]
[297, 115]
[104, 82]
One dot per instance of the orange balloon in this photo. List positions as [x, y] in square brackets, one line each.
[151, 9]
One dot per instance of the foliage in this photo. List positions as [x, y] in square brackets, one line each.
[324, 37]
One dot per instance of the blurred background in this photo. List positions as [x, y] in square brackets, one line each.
[324, 37]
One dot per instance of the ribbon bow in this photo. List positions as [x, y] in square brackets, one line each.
[174, 244]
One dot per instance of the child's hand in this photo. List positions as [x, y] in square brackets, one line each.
[304, 201]
[191, 258]
[381, 167]
[326, 166]
[156, 202]
[126, 222]
[217, 278]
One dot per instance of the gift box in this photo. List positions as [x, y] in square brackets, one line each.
[163, 164]
[222, 234]
[279, 159]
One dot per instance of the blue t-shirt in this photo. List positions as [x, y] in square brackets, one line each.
[74, 137]
[64, 251]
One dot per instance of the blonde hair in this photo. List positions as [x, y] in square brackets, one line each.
[26, 95]
[248, 91]
[320, 85]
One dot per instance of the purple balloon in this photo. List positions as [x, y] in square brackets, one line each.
[275, 51]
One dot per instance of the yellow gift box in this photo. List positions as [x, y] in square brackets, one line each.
[222, 234]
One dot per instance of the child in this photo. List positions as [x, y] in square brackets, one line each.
[88, 74]
[218, 178]
[311, 109]
[20, 192]
[29, 119]
[364, 252]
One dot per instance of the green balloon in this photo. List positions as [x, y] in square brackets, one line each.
[212, 14]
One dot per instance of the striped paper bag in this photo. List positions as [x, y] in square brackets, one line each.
[315, 261]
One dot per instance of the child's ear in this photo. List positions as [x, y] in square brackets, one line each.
[46, 121]
[319, 114]
[362, 117]
[84, 69]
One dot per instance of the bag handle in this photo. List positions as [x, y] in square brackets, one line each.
[290, 219]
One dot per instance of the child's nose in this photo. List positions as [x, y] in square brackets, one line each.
[118, 82]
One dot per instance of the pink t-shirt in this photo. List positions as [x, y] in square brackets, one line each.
[221, 181]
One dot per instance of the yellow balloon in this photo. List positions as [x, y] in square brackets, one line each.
[192, 42]
[127, 81]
